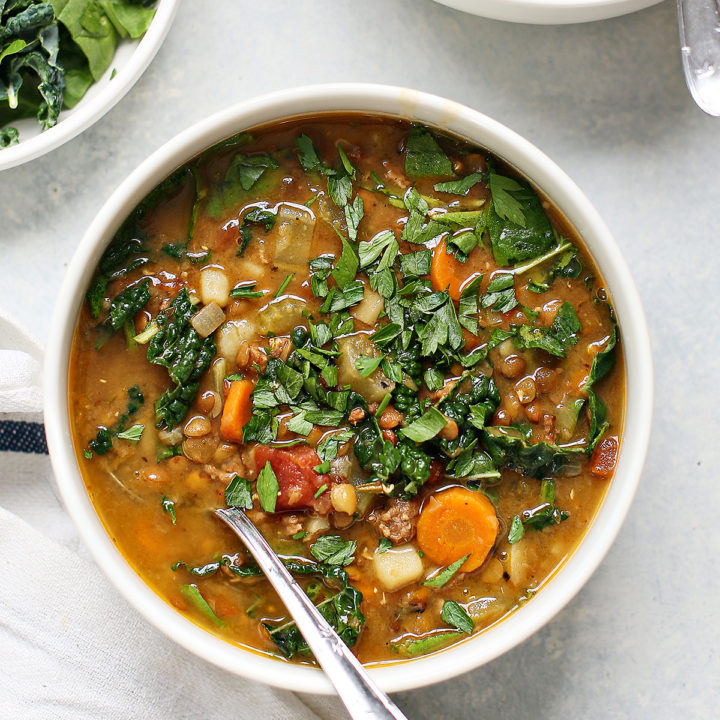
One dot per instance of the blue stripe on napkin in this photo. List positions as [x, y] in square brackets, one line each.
[18, 436]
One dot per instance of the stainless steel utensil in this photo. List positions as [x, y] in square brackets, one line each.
[362, 697]
[699, 22]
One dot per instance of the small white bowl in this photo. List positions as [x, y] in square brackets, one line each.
[548, 12]
[476, 128]
[129, 62]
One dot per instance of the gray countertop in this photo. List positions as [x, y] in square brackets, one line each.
[607, 102]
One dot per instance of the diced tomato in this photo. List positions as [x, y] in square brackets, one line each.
[605, 457]
[298, 481]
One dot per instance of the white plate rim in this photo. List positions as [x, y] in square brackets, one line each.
[89, 110]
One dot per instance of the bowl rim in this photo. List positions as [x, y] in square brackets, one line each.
[549, 12]
[107, 94]
[479, 129]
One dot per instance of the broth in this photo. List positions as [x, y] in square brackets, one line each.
[422, 484]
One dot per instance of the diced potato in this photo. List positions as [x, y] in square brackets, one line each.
[375, 385]
[208, 320]
[492, 572]
[214, 286]
[293, 233]
[517, 564]
[316, 525]
[249, 270]
[231, 336]
[397, 567]
[369, 308]
[281, 316]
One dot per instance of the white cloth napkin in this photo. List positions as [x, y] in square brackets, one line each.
[70, 647]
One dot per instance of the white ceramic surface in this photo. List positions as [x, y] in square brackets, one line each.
[130, 61]
[548, 12]
[479, 129]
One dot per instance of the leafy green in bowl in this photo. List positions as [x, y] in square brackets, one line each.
[52, 52]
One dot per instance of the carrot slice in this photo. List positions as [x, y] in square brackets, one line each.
[237, 411]
[455, 523]
[446, 273]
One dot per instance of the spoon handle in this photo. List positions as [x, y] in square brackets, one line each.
[699, 22]
[361, 696]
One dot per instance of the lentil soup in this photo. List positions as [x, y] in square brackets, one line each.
[381, 343]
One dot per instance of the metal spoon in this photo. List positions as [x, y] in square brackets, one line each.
[699, 22]
[361, 696]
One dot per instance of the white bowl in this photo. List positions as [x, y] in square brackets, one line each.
[479, 129]
[548, 12]
[129, 62]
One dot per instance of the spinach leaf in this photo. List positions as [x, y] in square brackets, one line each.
[602, 364]
[260, 216]
[339, 188]
[193, 594]
[455, 615]
[503, 191]
[346, 267]
[383, 243]
[320, 269]
[423, 156]
[444, 576]
[168, 506]
[246, 291]
[307, 154]
[239, 493]
[500, 293]
[412, 647]
[267, 487]
[260, 428]
[537, 518]
[415, 263]
[442, 328]
[247, 170]
[133, 434]
[342, 611]
[384, 544]
[517, 224]
[91, 29]
[461, 186]
[129, 18]
[366, 365]
[425, 427]
[333, 550]
[353, 215]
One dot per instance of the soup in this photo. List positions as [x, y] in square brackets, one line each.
[379, 342]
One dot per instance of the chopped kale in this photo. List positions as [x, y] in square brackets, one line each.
[128, 303]
[508, 447]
